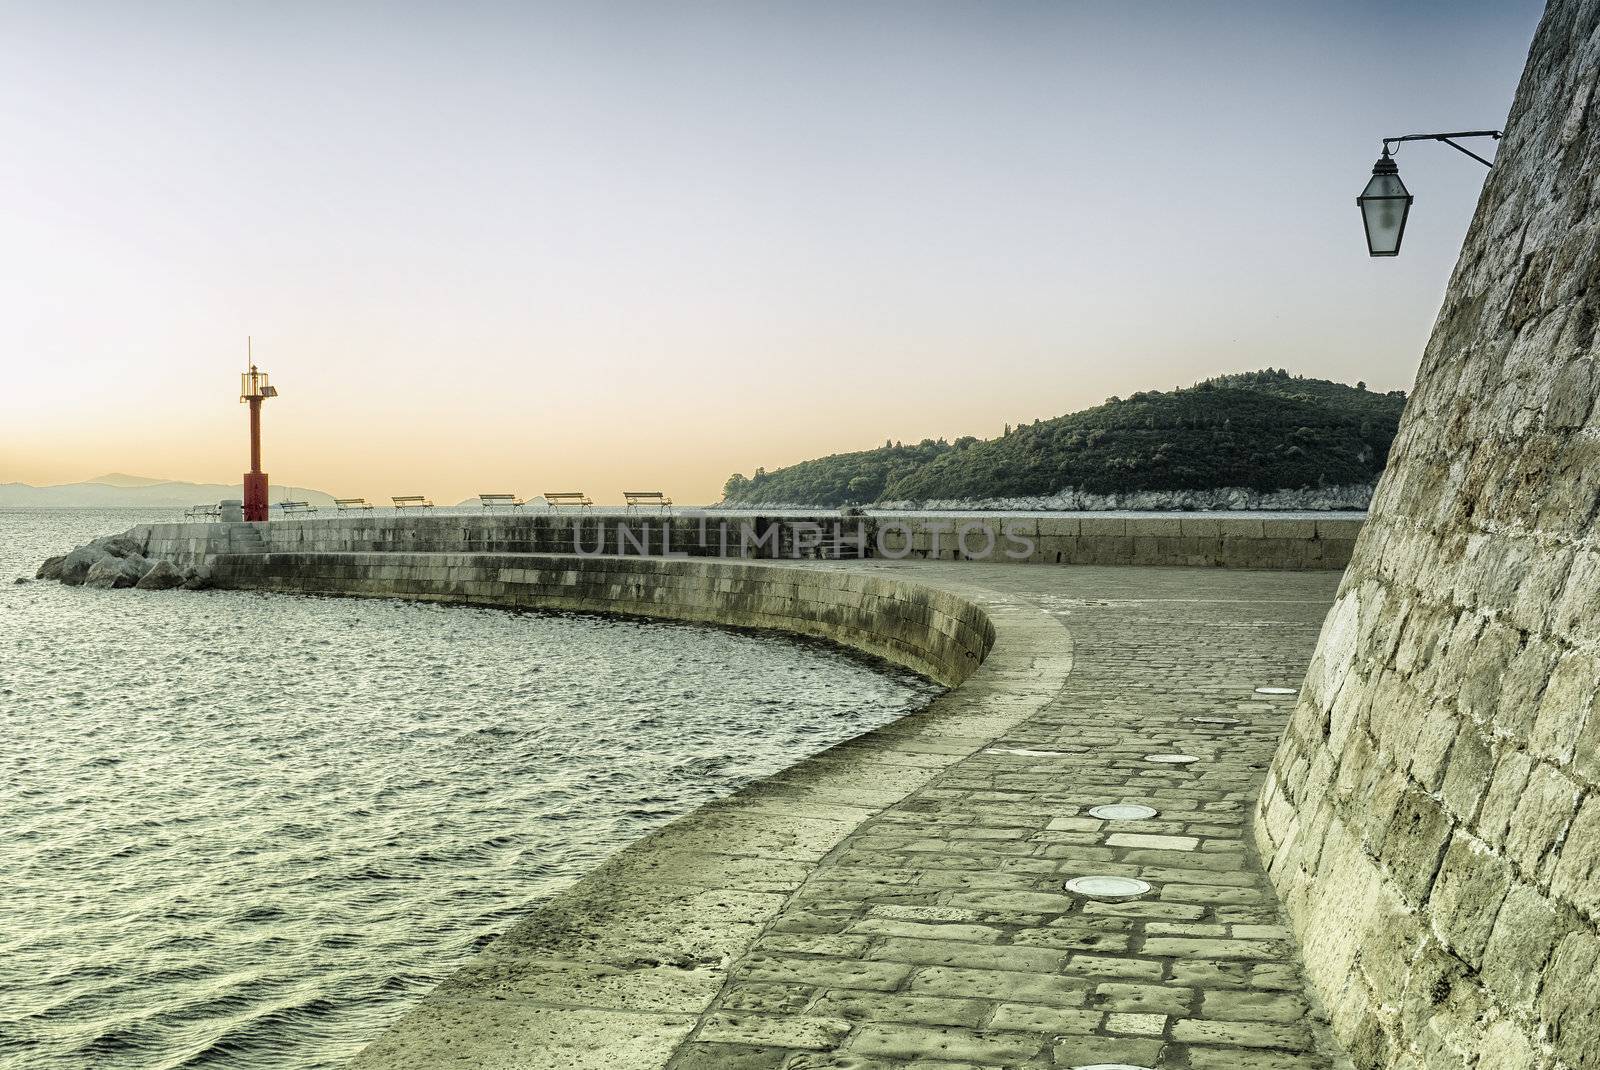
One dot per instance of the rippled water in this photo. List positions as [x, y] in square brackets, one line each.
[248, 830]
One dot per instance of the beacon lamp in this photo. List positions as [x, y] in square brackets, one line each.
[1385, 203]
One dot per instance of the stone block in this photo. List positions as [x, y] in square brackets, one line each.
[1547, 807]
[1061, 526]
[1415, 842]
[1298, 530]
[1200, 528]
[1098, 527]
[1240, 528]
[1525, 932]
[1338, 530]
[1467, 774]
[1568, 998]
[1433, 744]
[1571, 697]
[1129, 997]
[1576, 878]
[1511, 774]
[1154, 526]
[1506, 1047]
[1466, 897]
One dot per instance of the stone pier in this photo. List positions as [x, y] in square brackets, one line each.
[901, 900]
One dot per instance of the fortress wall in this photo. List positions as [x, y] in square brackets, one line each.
[935, 632]
[1432, 817]
[1228, 542]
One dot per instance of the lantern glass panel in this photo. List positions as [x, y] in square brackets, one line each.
[1384, 207]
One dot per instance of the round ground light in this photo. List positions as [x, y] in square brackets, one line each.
[1123, 812]
[1104, 887]
[1171, 759]
[1277, 691]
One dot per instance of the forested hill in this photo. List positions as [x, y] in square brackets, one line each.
[1264, 431]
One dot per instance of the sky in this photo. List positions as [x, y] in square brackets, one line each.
[487, 247]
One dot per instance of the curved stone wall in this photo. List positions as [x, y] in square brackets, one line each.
[934, 632]
[1432, 817]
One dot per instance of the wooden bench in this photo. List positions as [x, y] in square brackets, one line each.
[296, 507]
[410, 501]
[203, 512]
[554, 499]
[345, 505]
[640, 499]
[489, 501]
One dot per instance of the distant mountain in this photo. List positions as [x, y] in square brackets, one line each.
[1260, 431]
[117, 490]
[122, 479]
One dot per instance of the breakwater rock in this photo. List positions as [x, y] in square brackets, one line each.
[114, 561]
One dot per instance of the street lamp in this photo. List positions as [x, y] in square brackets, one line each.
[1386, 202]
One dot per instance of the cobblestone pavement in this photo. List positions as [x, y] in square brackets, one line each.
[939, 934]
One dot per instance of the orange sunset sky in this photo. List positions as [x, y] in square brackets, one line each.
[497, 247]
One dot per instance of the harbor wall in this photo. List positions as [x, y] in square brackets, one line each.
[1205, 541]
[931, 631]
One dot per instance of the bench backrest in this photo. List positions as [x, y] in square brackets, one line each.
[644, 497]
[565, 496]
[497, 497]
[349, 501]
[410, 499]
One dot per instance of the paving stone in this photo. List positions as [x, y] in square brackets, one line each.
[946, 1043]
[698, 1055]
[1143, 1025]
[976, 956]
[1075, 939]
[1251, 1006]
[1083, 965]
[825, 973]
[1201, 1058]
[1192, 948]
[1163, 999]
[898, 1007]
[1071, 1051]
[923, 913]
[999, 985]
[1242, 1034]
[785, 1031]
[1170, 843]
[767, 997]
[879, 926]
[1280, 977]
[1038, 1018]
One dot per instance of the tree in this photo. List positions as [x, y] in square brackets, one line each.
[1262, 429]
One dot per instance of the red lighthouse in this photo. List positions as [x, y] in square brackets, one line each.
[253, 389]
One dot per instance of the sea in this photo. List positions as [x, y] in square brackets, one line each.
[244, 830]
